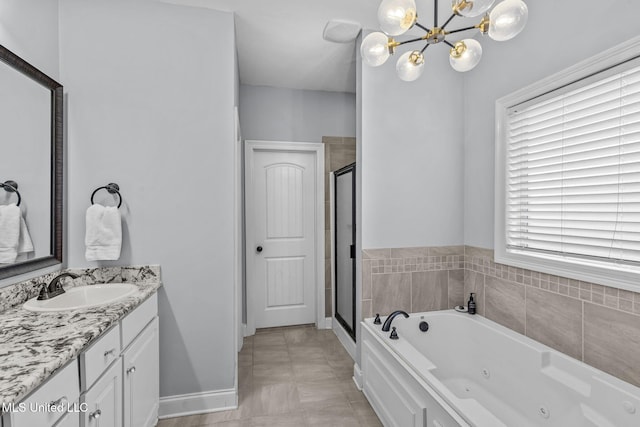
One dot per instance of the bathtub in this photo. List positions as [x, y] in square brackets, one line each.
[469, 371]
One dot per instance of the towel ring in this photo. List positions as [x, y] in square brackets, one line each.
[112, 189]
[11, 187]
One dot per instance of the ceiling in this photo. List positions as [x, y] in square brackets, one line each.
[280, 42]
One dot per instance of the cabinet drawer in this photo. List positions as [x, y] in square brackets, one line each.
[98, 357]
[135, 322]
[60, 391]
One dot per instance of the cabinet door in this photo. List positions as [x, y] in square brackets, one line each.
[142, 379]
[104, 400]
[69, 420]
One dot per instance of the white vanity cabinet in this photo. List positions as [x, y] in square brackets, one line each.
[124, 392]
[113, 383]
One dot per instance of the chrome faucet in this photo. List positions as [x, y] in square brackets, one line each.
[387, 323]
[54, 288]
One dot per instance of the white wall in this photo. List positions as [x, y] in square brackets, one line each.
[29, 28]
[150, 98]
[277, 114]
[412, 155]
[558, 35]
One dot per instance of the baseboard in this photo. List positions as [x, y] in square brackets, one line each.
[357, 376]
[328, 323]
[344, 338]
[197, 403]
[325, 323]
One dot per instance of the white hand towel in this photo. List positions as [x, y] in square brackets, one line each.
[25, 244]
[103, 236]
[9, 232]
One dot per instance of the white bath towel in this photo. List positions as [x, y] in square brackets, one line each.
[103, 236]
[14, 236]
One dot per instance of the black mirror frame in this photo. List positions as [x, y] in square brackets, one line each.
[57, 127]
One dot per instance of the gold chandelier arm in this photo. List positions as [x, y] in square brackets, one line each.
[449, 44]
[425, 48]
[459, 30]
[453, 15]
[419, 25]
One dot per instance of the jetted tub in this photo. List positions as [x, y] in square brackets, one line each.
[469, 371]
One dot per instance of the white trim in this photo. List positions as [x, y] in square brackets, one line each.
[576, 270]
[244, 330]
[237, 241]
[345, 339]
[197, 403]
[332, 258]
[327, 323]
[318, 149]
[357, 376]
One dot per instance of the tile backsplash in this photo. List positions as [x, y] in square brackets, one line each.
[596, 324]
[412, 279]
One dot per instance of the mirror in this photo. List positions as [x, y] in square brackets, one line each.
[31, 123]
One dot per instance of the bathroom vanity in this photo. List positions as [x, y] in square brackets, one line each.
[84, 367]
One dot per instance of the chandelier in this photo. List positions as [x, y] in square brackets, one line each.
[396, 17]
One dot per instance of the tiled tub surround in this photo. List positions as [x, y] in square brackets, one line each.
[412, 279]
[596, 324]
[34, 345]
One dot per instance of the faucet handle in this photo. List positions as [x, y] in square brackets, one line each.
[377, 320]
[44, 293]
[394, 334]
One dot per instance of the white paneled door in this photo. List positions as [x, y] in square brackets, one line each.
[282, 192]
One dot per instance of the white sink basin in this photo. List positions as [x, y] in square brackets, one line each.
[83, 297]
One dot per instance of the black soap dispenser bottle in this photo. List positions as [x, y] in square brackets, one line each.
[471, 304]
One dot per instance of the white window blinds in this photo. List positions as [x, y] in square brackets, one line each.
[573, 175]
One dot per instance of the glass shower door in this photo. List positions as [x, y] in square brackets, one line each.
[345, 236]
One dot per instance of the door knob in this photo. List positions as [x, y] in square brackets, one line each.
[259, 249]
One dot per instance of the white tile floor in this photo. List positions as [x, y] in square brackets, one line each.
[295, 376]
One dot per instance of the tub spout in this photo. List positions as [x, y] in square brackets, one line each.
[387, 323]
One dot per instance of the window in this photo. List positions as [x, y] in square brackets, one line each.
[569, 156]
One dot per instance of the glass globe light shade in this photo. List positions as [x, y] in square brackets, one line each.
[410, 66]
[397, 16]
[507, 19]
[473, 8]
[374, 49]
[465, 55]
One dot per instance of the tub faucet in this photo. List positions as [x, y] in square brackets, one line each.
[54, 288]
[387, 323]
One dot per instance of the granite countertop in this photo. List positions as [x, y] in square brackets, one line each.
[34, 345]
